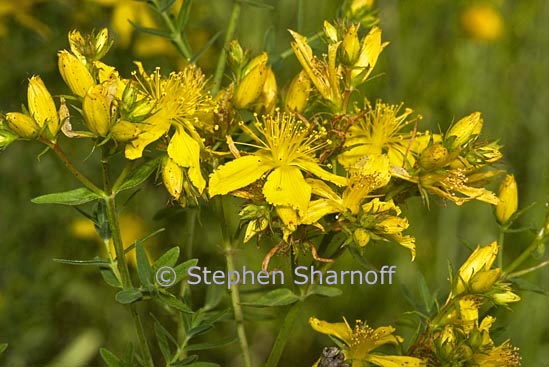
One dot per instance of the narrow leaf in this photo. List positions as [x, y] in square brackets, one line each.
[73, 197]
[325, 291]
[202, 364]
[3, 347]
[127, 296]
[162, 341]
[278, 297]
[93, 262]
[153, 31]
[183, 15]
[206, 47]
[109, 358]
[212, 345]
[139, 175]
[169, 258]
[258, 4]
[200, 329]
[144, 270]
[110, 278]
[171, 301]
[182, 269]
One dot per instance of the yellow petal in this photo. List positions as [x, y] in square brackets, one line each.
[185, 151]
[395, 361]
[318, 171]
[508, 199]
[41, 105]
[286, 186]
[74, 73]
[319, 208]
[152, 129]
[172, 175]
[480, 260]
[237, 174]
[340, 330]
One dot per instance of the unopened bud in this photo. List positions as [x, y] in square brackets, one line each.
[250, 87]
[351, 45]
[41, 105]
[172, 175]
[508, 199]
[268, 96]
[22, 125]
[96, 107]
[330, 31]
[465, 130]
[484, 280]
[433, 157]
[298, 92]
[125, 131]
[361, 237]
[74, 73]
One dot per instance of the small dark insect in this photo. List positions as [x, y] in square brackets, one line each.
[332, 357]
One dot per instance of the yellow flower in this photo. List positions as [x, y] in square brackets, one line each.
[178, 99]
[508, 199]
[369, 52]
[490, 355]
[482, 22]
[362, 340]
[286, 147]
[41, 106]
[379, 131]
[96, 108]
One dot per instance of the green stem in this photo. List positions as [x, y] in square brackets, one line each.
[235, 293]
[76, 173]
[283, 335]
[501, 239]
[120, 180]
[114, 226]
[231, 28]
[175, 34]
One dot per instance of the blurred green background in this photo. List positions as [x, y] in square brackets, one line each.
[433, 63]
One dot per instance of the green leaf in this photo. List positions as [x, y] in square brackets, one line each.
[212, 345]
[139, 175]
[93, 262]
[278, 297]
[181, 269]
[173, 302]
[426, 295]
[152, 31]
[355, 252]
[110, 278]
[183, 15]
[73, 197]
[162, 341]
[127, 296]
[525, 285]
[144, 270]
[325, 291]
[3, 347]
[109, 358]
[169, 258]
[184, 362]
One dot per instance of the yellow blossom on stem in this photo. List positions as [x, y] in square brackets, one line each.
[75, 74]
[362, 340]
[285, 148]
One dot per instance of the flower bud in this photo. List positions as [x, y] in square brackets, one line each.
[464, 131]
[351, 45]
[41, 105]
[96, 107]
[236, 56]
[480, 260]
[125, 131]
[433, 157]
[361, 237]
[268, 95]
[77, 44]
[484, 281]
[102, 44]
[330, 31]
[74, 73]
[250, 87]
[172, 175]
[508, 199]
[298, 92]
[22, 125]
[505, 298]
